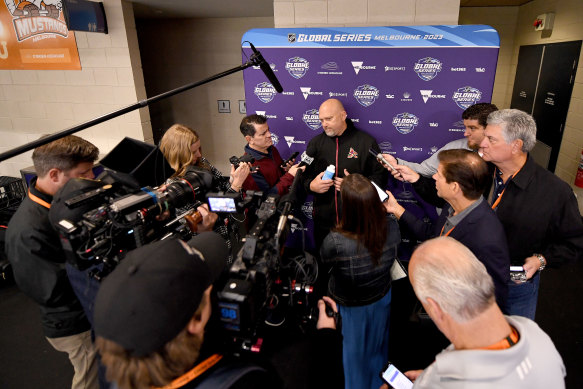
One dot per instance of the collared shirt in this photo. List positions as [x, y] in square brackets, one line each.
[453, 220]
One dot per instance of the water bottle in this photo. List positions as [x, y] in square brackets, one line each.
[329, 174]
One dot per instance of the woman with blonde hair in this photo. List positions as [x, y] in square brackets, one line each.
[181, 148]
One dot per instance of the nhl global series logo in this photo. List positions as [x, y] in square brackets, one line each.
[274, 139]
[366, 95]
[427, 68]
[264, 92]
[297, 67]
[405, 122]
[312, 119]
[466, 96]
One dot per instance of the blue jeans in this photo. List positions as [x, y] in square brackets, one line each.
[522, 298]
[366, 342]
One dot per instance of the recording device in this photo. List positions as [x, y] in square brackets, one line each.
[392, 376]
[224, 202]
[245, 158]
[100, 221]
[305, 160]
[291, 158]
[266, 287]
[382, 160]
[382, 194]
[518, 274]
[257, 57]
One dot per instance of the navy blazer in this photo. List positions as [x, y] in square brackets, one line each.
[483, 234]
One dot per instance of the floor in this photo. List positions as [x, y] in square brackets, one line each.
[28, 361]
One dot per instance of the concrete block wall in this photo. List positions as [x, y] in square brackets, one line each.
[353, 13]
[37, 102]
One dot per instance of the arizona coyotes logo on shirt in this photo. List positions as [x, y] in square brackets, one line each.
[352, 153]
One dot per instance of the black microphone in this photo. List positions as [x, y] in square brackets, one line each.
[266, 69]
[305, 160]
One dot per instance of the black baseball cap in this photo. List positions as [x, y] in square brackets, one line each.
[154, 292]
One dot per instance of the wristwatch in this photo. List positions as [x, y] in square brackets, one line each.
[543, 261]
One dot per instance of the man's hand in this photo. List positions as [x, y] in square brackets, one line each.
[405, 173]
[338, 180]
[294, 169]
[413, 374]
[323, 320]
[208, 218]
[390, 159]
[320, 186]
[288, 165]
[531, 266]
[392, 206]
[239, 175]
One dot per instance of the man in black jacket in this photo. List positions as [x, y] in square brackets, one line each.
[38, 260]
[345, 147]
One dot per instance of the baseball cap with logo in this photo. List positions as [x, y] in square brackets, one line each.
[154, 292]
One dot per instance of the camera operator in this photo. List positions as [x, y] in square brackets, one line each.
[150, 318]
[271, 178]
[38, 260]
[182, 149]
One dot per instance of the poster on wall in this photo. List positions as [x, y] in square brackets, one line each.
[34, 36]
[406, 86]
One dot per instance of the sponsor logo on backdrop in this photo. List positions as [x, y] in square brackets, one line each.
[390, 96]
[428, 94]
[458, 126]
[287, 93]
[375, 122]
[480, 70]
[433, 124]
[296, 227]
[290, 140]
[355, 120]
[466, 96]
[297, 67]
[432, 150]
[329, 68]
[291, 37]
[289, 118]
[307, 91]
[458, 69]
[265, 92]
[405, 148]
[427, 68]
[338, 94]
[405, 122]
[264, 113]
[385, 146]
[271, 65]
[394, 68]
[358, 66]
[406, 97]
[274, 138]
[308, 209]
[312, 119]
[366, 95]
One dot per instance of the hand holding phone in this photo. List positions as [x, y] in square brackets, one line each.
[392, 376]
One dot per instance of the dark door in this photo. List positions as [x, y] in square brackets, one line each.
[556, 69]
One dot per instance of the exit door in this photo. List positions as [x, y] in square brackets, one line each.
[544, 81]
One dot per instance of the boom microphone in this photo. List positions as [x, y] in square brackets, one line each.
[266, 69]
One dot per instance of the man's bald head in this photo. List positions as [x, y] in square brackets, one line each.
[333, 117]
[450, 274]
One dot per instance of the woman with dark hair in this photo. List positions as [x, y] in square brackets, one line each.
[360, 252]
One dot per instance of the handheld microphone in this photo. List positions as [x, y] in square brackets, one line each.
[382, 160]
[306, 160]
[266, 69]
[291, 157]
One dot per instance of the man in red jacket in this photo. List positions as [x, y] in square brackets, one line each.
[270, 177]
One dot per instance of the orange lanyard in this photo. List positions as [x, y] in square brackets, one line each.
[448, 232]
[505, 343]
[495, 205]
[193, 373]
[38, 200]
